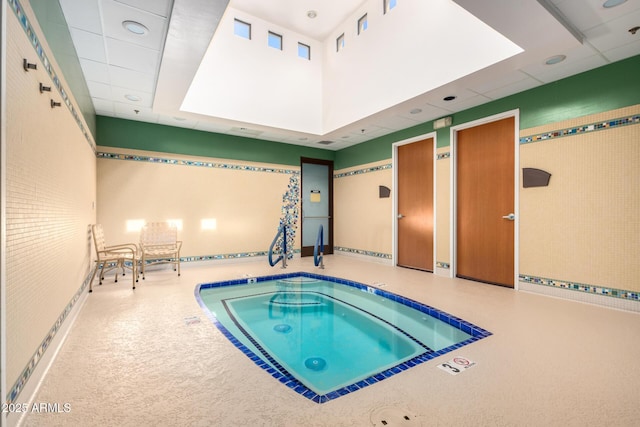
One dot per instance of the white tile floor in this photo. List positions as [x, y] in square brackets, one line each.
[132, 360]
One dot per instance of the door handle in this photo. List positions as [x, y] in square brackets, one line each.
[510, 217]
[400, 216]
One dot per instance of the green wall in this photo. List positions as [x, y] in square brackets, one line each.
[612, 86]
[55, 29]
[113, 132]
[602, 89]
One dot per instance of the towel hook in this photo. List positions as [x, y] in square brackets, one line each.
[28, 66]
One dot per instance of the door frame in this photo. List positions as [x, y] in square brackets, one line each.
[394, 213]
[328, 246]
[516, 188]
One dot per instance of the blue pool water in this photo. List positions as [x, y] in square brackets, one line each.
[325, 337]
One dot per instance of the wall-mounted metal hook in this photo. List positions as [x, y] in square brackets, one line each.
[44, 88]
[27, 66]
[55, 104]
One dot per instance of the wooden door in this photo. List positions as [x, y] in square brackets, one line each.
[485, 193]
[415, 205]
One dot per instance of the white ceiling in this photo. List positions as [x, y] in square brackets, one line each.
[158, 68]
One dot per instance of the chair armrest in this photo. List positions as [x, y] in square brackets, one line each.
[151, 246]
[127, 247]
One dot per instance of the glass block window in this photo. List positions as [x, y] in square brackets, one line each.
[362, 24]
[304, 51]
[275, 40]
[389, 4]
[242, 29]
[340, 42]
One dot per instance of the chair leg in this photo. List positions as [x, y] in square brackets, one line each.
[134, 279]
[93, 277]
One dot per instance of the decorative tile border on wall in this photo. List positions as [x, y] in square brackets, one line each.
[361, 171]
[441, 264]
[581, 287]
[361, 252]
[443, 156]
[196, 163]
[13, 394]
[238, 255]
[37, 46]
[578, 130]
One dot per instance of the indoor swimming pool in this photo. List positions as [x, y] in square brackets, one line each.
[325, 337]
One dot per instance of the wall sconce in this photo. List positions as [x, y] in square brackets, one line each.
[55, 104]
[532, 177]
[135, 225]
[208, 224]
[28, 66]
[44, 88]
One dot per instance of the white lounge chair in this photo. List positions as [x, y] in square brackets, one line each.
[159, 244]
[113, 257]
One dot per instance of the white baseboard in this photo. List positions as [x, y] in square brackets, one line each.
[30, 388]
[363, 257]
[585, 297]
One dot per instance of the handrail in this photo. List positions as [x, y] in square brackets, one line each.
[282, 230]
[319, 259]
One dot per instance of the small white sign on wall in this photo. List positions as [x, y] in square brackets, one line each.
[457, 365]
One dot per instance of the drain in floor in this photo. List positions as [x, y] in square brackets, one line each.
[393, 416]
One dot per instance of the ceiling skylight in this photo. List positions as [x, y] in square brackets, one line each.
[407, 53]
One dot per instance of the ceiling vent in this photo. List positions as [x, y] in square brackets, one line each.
[325, 142]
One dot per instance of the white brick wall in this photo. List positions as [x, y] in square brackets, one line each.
[51, 188]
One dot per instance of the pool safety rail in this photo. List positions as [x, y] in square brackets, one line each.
[318, 249]
[282, 231]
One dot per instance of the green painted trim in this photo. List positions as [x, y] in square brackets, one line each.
[121, 133]
[602, 89]
[56, 32]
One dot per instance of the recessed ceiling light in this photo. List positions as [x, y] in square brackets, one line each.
[135, 28]
[415, 111]
[133, 98]
[312, 14]
[449, 98]
[345, 137]
[555, 59]
[612, 3]
[180, 119]
[303, 139]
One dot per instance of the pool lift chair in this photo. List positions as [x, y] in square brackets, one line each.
[115, 257]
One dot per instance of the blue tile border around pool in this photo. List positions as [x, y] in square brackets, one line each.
[476, 333]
